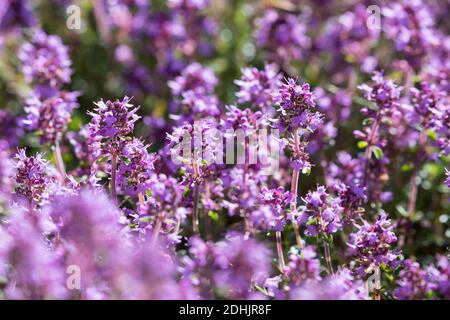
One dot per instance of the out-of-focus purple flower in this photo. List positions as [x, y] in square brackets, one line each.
[321, 214]
[111, 122]
[10, 129]
[347, 36]
[6, 171]
[282, 35]
[303, 267]
[336, 106]
[194, 78]
[193, 106]
[50, 116]
[442, 128]
[15, 14]
[45, 61]
[257, 87]
[413, 282]
[32, 177]
[149, 274]
[88, 228]
[410, 25]
[135, 168]
[227, 269]
[246, 119]
[427, 103]
[372, 245]
[188, 4]
[164, 205]
[341, 286]
[83, 144]
[30, 268]
[439, 275]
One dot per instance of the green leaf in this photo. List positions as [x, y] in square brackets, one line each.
[367, 121]
[126, 160]
[432, 134]
[377, 152]
[213, 215]
[407, 167]
[362, 144]
[103, 159]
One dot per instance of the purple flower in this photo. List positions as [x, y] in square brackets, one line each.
[149, 274]
[111, 122]
[15, 14]
[10, 129]
[296, 107]
[273, 212]
[384, 93]
[135, 168]
[257, 87]
[282, 35]
[163, 206]
[227, 269]
[413, 282]
[32, 177]
[321, 214]
[439, 276]
[341, 286]
[427, 103]
[88, 228]
[410, 25]
[347, 36]
[351, 199]
[33, 270]
[371, 245]
[50, 116]
[194, 78]
[45, 61]
[193, 106]
[6, 170]
[246, 119]
[303, 267]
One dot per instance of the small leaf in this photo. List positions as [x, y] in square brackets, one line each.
[362, 144]
[103, 159]
[367, 121]
[126, 160]
[407, 167]
[186, 191]
[213, 215]
[378, 153]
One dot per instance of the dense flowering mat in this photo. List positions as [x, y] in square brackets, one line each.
[195, 149]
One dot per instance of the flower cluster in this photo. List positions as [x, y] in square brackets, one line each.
[372, 245]
[283, 35]
[256, 87]
[322, 213]
[112, 121]
[413, 282]
[45, 61]
[32, 177]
